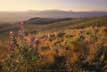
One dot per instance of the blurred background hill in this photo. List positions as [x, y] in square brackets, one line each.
[25, 15]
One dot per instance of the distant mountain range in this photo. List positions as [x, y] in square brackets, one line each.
[20, 16]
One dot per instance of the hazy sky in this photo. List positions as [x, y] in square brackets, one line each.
[75, 5]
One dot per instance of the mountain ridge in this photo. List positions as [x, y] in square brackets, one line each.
[25, 15]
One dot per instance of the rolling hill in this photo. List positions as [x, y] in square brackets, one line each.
[21, 16]
[48, 24]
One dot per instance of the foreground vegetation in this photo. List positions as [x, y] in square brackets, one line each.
[78, 45]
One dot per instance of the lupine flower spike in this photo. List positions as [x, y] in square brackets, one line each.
[12, 40]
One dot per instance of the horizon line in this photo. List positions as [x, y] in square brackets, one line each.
[53, 10]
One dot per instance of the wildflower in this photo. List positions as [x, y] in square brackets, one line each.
[11, 34]
[11, 45]
[27, 40]
[12, 41]
[34, 40]
[21, 31]
[21, 34]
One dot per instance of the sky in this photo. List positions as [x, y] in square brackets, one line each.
[74, 5]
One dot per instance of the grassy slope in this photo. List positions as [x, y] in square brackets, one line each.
[75, 23]
[85, 22]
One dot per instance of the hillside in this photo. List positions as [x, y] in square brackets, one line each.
[25, 15]
[43, 21]
[73, 23]
[55, 46]
[48, 24]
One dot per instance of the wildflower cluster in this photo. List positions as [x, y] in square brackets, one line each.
[22, 52]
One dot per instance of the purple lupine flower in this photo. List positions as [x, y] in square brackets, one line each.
[34, 40]
[21, 27]
[37, 41]
[12, 40]
[11, 45]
